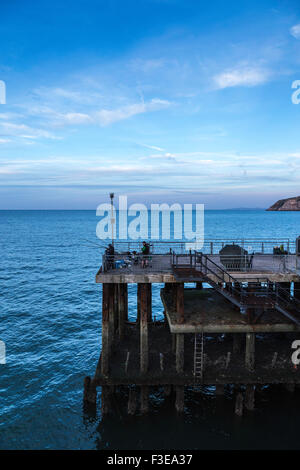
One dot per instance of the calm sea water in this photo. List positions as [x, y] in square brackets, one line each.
[51, 324]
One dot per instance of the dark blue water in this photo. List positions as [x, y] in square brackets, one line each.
[51, 324]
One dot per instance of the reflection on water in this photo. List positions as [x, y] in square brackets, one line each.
[208, 422]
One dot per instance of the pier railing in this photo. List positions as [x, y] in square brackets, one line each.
[212, 246]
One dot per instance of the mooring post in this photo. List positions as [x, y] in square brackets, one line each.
[144, 353]
[250, 397]
[144, 399]
[105, 330]
[199, 285]
[179, 352]
[250, 351]
[179, 401]
[180, 301]
[122, 308]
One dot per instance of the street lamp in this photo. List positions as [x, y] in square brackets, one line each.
[111, 195]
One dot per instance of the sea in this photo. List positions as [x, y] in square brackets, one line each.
[50, 310]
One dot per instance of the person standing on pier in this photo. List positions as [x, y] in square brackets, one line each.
[145, 252]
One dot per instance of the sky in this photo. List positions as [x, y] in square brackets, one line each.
[160, 100]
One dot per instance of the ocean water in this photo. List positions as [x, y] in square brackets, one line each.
[50, 310]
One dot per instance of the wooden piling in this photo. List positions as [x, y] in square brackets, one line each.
[132, 402]
[180, 301]
[219, 389]
[111, 307]
[90, 392]
[179, 352]
[179, 401]
[145, 307]
[250, 351]
[105, 401]
[105, 330]
[239, 403]
[122, 308]
[144, 399]
[250, 397]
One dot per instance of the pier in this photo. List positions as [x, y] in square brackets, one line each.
[231, 313]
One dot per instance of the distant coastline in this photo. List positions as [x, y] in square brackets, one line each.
[290, 204]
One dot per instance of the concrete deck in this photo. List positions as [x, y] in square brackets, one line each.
[274, 268]
[208, 311]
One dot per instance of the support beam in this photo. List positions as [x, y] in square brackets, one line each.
[111, 307]
[122, 308]
[149, 302]
[199, 285]
[105, 330]
[179, 353]
[144, 305]
[138, 313]
[180, 301]
[250, 351]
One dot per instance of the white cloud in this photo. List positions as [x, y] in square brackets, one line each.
[24, 131]
[105, 117]
[241, 76]
[295, 31]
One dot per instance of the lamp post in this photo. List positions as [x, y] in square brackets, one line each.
[111, 195]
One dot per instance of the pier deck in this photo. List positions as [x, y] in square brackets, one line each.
[207, 311]
[275, 268]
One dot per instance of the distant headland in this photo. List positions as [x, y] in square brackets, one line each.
[289, 204]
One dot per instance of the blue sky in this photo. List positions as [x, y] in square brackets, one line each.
[161, 100]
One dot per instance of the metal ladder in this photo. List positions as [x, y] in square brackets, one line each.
[198, 357]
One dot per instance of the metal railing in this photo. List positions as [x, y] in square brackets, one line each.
[212, 245]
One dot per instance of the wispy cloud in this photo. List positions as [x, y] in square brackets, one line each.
[241, 76]
[295, 31]
[105, 116]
